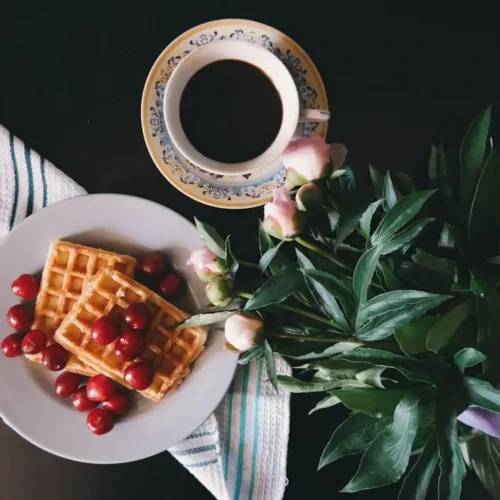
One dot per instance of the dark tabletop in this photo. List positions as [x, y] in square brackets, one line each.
[71, 78]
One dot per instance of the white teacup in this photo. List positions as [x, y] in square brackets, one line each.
[272, 67]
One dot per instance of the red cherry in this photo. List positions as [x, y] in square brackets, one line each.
[100, 421]
[129, 346]
[34, 342]
[19, 317]
[170, 286]
[100, 388]
[139, 375]
[26, 286]
[67, 384]
[105, 330]
[118, 404]
[11, 345]
[138, 316]
[152, 263]
[55, 357]
[81, 401]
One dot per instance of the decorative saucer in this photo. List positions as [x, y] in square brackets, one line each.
[225, 191]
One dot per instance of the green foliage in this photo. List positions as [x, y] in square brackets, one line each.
[393, 310]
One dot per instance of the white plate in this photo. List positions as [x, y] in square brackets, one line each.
[27, 399]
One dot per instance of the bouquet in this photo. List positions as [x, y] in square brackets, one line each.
[385, 299]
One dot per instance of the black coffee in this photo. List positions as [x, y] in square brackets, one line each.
[230, 111]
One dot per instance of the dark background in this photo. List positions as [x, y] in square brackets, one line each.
[71, 78]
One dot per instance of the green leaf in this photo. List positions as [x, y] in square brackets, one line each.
[352, 436]
[325, 288]
[348, 221]
[312, 351]
[374, 402]
[280, 260]
[372, 376]
[391, 310]
[270, 366]
[412, 336]
[411, 368]
[425, 259]
[206, 319]
[268, 257]
[377, 181]
[483, 223]
[472, 153]
[483, 456]
[253, 354]
[483, 394]
[416, 483]
[231, 262]
[468, 357]
[386, 459]
[451, 464]
[446, 239]
[363, 274]
[399, 215]
[211, 238]
[442, 332]
[406, 236]
[389, 279]
[488, 316]
[485, 279]
[366, 219]
[277, 288]
[327, 402]
[296, 385]
[390, 196]
[333, 219]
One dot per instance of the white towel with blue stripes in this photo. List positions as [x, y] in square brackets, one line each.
[240, 452]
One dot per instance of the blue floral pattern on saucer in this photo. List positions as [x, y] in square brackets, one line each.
[224, 191]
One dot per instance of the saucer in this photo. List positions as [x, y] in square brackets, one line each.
[225, 191]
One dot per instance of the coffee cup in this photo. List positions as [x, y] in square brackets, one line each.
[281, 84]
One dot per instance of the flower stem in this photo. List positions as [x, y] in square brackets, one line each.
[248, 264]
[325, 340]
[296, 310]
[330, 256]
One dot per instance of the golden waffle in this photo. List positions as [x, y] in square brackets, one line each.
[171, 351]
[68, 269]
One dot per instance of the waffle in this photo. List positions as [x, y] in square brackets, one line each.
[68, 269]
[171, 351]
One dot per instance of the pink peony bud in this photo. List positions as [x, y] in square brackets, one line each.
[282, 219]
[220, 291]
[309, 197]
[206, 264]
[243, 330]
[307, 159]
[482, 420]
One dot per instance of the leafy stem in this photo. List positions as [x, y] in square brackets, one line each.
[248, 264]
[328, 255]
[325, 340]
[296, 310]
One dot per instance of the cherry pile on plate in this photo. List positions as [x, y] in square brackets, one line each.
[129, 344]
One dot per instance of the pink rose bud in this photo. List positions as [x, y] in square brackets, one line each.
[219, 292]
[206, 264]
[243, 331]
[306, 160]
[482, 420]
[282, 219]
[309, 197]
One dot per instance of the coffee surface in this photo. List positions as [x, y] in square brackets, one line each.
[230, 111]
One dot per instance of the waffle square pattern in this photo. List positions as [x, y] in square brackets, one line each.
[170, 351]
[68, 269]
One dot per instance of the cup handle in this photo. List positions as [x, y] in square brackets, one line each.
[314, 115]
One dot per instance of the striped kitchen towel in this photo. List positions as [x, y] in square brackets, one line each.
[240, 451]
